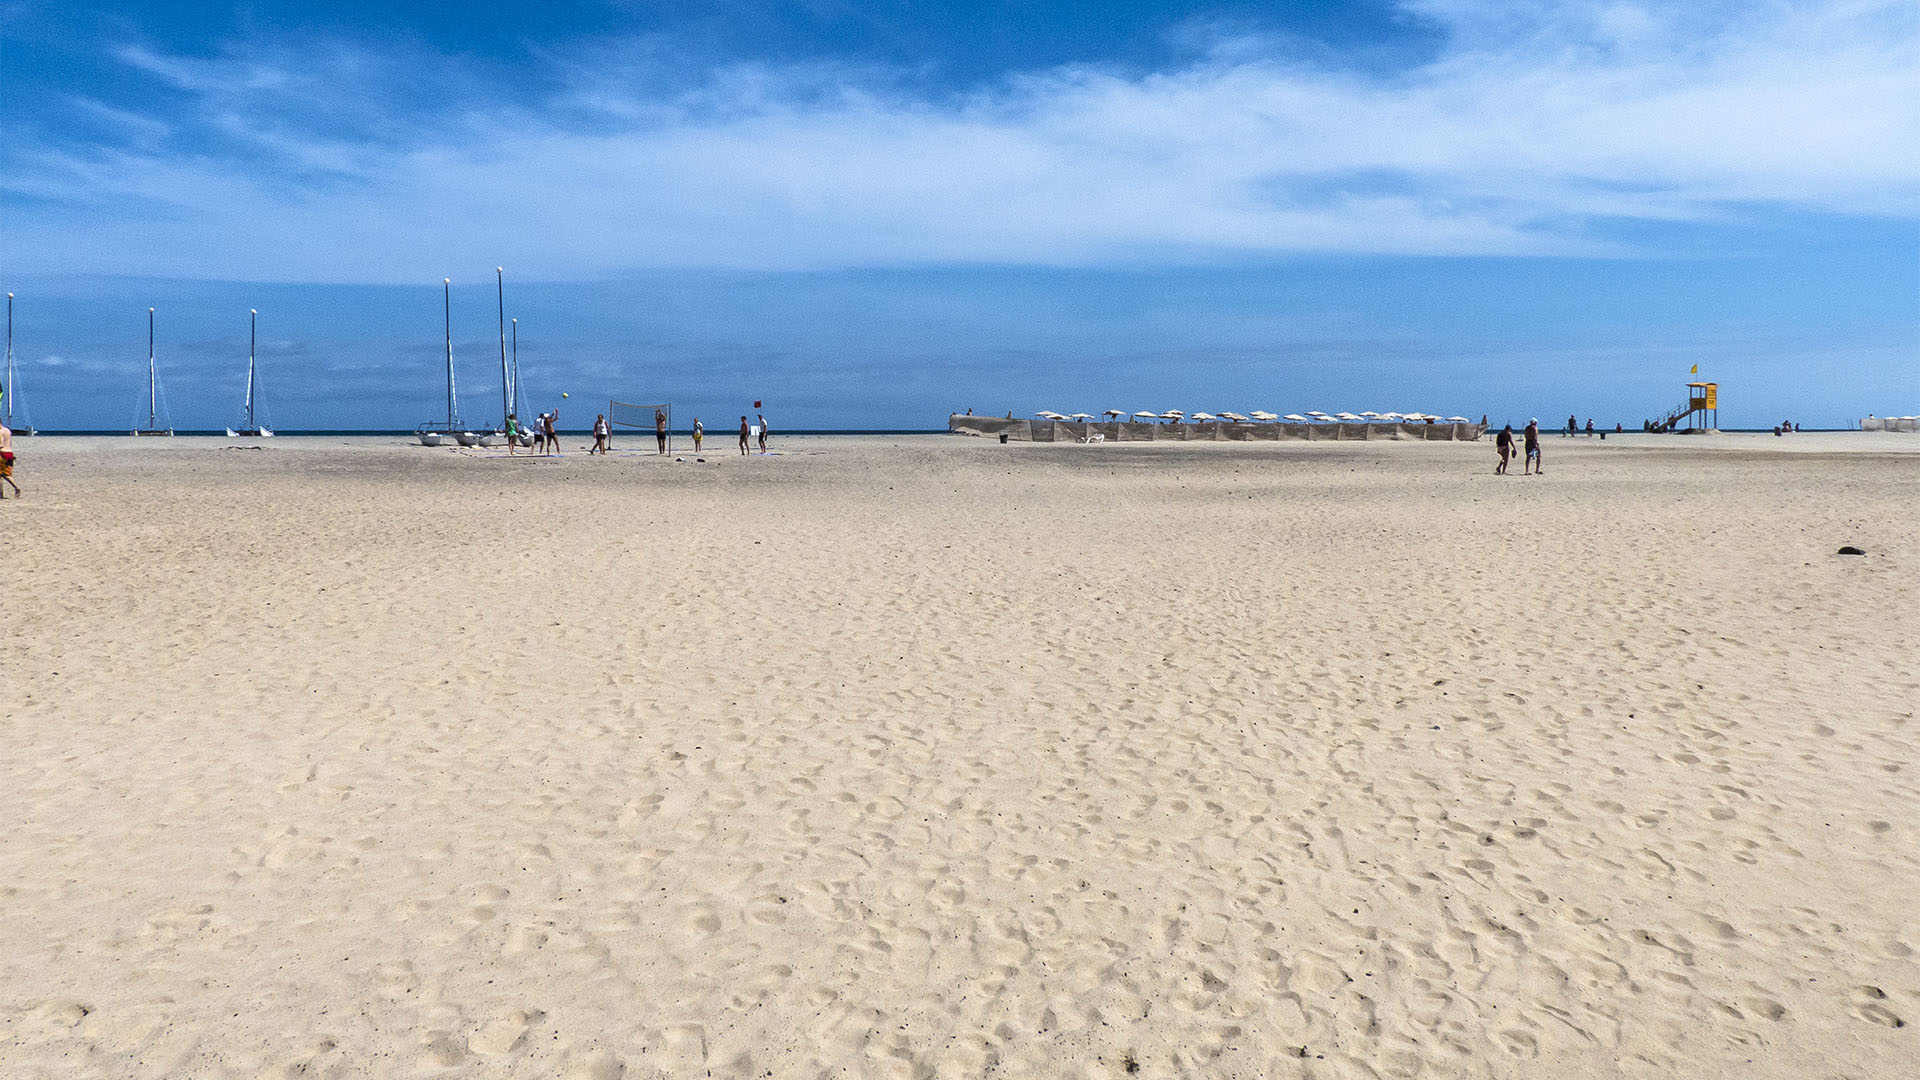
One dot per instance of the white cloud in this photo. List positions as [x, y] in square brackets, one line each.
[1534, 122]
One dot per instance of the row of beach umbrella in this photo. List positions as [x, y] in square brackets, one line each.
[1311, 417]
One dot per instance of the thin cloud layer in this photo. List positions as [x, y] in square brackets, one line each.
[1536, 129]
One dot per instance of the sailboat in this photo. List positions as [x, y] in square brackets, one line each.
[488, 438]
[11, 391]
[250, 428]
[153, 390]
[432, 432]
[519, 399]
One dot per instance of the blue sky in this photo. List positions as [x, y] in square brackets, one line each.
[868, 214]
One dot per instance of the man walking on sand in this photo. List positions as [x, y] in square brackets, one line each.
[1532, 438]
[743, 436]
[6, 462]
[763, 431]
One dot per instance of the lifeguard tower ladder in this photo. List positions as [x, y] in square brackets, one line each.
[1700, 413]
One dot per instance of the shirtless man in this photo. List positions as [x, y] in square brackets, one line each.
[660, 429]
[6, 462]
[1532, 438]
[553, 437]
[743, 435]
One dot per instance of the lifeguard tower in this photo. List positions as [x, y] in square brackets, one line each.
[1700, 413]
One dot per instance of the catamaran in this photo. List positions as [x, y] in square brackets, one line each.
[11, 392]
[153, 390]
[250, 428]
[432, 432]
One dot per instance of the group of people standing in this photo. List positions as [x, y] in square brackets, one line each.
[545, 439]
[540, 435]
[699, 432]
[746, 432]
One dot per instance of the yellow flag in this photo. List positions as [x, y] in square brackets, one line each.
[1695, 371]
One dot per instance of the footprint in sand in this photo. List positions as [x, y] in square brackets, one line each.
[1519, 1043]
[502, 1033]
[600, 1065]
[1869, 1003]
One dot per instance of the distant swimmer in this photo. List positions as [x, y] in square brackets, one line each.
[1503, 443]
[1532, 466]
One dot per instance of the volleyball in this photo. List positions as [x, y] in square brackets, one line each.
[563, 395]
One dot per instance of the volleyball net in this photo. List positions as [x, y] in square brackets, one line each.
[643, 419]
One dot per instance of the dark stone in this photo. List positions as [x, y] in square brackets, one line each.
[1851, 550]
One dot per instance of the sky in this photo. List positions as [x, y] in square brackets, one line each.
[872, 214]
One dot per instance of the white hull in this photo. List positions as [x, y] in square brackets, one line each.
[155, 431]
[250, 433]
[476, 438]
[431, 438]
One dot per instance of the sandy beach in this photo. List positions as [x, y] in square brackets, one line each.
[933, 757]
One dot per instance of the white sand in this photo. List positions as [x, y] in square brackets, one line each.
[935, 757]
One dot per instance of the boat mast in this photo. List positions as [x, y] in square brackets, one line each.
[253, 336]
[506, 377]
[447, 285]
[514, 397]
[151, 393]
